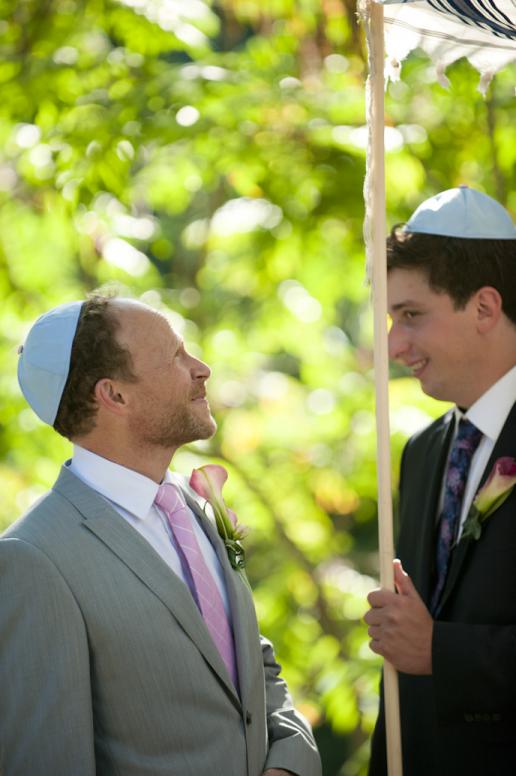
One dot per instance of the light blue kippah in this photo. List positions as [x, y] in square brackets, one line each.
[462, 212]
[44, 360]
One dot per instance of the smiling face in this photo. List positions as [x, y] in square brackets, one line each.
[437, 342]
[167, 403]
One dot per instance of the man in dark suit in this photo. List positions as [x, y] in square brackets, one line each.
[128, 639]
[450, 629]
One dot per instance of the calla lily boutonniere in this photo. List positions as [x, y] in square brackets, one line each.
[495, 490]
[207, 482]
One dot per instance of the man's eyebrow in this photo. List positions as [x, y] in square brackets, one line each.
[406, 303]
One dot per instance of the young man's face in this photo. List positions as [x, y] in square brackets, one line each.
[437, 342]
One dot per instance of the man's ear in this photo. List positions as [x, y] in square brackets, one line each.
[488, 307]
[109, 395]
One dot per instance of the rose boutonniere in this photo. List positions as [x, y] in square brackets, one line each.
[495, 490]
[207, 482]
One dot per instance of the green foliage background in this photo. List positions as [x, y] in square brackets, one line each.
[209, 159]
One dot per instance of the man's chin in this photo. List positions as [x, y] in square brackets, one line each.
[189, 430]
[208, 430]
[439, 393]
[203, 430]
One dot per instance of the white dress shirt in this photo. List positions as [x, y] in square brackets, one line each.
[488, 414]
[132, 495]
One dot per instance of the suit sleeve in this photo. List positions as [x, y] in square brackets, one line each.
[291, 742]
[46, 722]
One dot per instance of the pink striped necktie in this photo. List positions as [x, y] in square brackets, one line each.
[205, 591]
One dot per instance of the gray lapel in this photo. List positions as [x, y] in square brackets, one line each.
[125, 542]
[240, 601]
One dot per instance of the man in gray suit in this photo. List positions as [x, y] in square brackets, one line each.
[109, 663]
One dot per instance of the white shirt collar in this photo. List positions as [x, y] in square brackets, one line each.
[128, 489]
[490, 412]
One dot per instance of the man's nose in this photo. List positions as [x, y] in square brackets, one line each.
[398, 342]
[200, 370]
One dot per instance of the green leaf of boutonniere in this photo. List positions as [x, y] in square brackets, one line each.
[236, 554]
[472, 528]
[207, 482]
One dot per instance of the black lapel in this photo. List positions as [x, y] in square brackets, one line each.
[504, 446]
[420, 490]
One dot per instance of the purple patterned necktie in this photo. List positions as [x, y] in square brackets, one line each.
[463, 448]
[205, 591]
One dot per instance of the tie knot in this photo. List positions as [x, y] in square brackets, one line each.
[168, 498]
[468, 435]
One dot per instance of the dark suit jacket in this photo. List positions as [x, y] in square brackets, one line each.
[462, 719]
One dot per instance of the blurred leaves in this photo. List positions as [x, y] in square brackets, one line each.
[209, 159]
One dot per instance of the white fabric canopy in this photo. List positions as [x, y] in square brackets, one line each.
[484, 31]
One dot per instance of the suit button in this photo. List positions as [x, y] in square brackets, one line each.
[248, 718]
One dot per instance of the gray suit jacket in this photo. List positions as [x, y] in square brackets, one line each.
[107, 667]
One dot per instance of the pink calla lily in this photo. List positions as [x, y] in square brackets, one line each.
[497, 487]
[233, 518]
[491, 495]
[207, 482]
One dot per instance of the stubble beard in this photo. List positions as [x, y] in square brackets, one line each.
[178, 429]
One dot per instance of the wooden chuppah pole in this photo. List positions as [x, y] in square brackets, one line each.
[375, 234]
